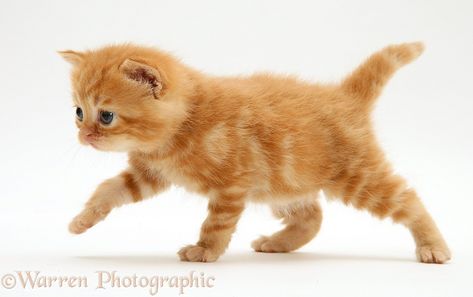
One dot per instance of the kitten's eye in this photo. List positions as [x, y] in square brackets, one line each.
[79, 113]
[106, 117]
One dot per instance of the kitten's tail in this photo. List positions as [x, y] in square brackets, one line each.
[367, 81]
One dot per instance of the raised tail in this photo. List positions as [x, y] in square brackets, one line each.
[367, 81]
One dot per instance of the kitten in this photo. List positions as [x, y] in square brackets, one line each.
[262, 138]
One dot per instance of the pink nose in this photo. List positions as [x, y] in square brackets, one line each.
[90, 137]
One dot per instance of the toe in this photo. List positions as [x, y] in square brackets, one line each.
[258, 243]
[79, 225]
[85, 220]
[196, 253]
[266, 244]
[432, 254]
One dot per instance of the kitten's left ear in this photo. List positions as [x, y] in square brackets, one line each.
[144, 74]
[75, 58]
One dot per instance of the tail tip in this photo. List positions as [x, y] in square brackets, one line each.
[406, 52]
[416, 48]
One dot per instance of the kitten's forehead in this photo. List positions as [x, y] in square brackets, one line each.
[89, 101]
[88, 81]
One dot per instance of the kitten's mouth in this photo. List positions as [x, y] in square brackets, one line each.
[92, 142]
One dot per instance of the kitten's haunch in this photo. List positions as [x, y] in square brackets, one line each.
[263, 138]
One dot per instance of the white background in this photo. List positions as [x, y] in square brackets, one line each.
[423, 119]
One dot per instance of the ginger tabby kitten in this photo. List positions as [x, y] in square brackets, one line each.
[262, 138]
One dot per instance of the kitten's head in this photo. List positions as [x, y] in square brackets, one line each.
[126, 97]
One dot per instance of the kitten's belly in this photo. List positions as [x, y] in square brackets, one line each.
[259, 190]
[258, 196]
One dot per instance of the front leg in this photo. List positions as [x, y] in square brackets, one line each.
[132, 185]
[224, 212]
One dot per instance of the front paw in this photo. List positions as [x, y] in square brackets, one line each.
[196, 253]
[433, 254]
[86, 219]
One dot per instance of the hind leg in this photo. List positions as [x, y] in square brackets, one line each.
[302, 219]
[430, 245]
[386, 195]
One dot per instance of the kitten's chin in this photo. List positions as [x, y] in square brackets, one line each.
[106, 147]
[119, 146]
[115, 144]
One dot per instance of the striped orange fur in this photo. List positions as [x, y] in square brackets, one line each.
[262, 138]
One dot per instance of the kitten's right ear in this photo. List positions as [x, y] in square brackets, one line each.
[74, 58]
